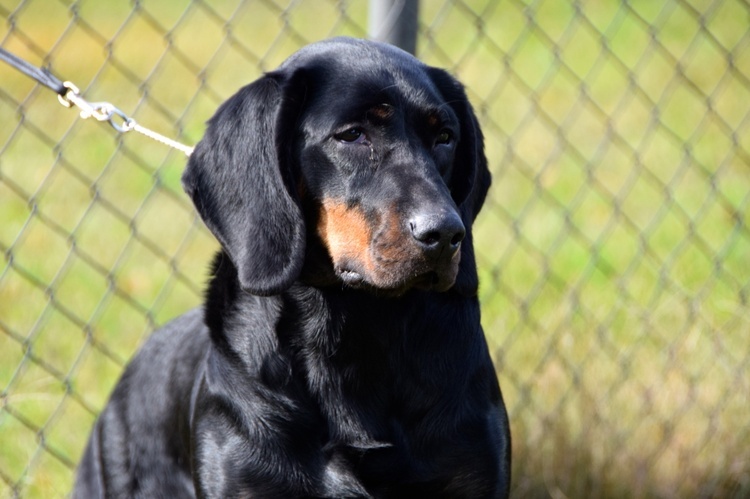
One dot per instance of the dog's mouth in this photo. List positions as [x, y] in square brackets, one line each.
[432, 280]
[350, 277]
[378, 252]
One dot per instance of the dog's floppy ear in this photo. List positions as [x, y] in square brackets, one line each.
[471, 177]
[241, 183]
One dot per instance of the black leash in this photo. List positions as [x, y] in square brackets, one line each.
[39, 74]
[69, 96]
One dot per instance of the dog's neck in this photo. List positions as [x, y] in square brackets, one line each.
[346, 345]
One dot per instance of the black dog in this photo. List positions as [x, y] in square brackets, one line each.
[339, 351]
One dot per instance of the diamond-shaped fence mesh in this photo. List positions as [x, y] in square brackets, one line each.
[614, 247]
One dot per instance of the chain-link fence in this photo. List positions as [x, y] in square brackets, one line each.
[614, 247]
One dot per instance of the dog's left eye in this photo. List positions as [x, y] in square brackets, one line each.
[352, 135]
[444, 137]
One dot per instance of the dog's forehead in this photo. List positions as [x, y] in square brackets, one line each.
[367, 71]
[348, 51]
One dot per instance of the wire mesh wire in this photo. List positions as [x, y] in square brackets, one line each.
[614, 247]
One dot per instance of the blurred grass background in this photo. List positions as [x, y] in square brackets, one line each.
[614, 247]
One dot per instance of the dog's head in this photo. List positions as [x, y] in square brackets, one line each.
[351, 149]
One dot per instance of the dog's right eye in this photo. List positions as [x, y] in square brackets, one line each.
[355, 135]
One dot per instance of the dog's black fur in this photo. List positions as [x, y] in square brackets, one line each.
[339, 351]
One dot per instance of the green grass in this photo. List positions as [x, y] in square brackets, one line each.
[613, 247]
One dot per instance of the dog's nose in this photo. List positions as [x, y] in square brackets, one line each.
[438, 234]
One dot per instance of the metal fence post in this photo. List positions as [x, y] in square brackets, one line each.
[394, 22]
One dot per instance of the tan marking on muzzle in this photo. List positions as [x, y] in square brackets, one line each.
[345, 232]
[392, 245]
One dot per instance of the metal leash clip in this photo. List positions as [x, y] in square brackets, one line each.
[101, 111]
[104, 111]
